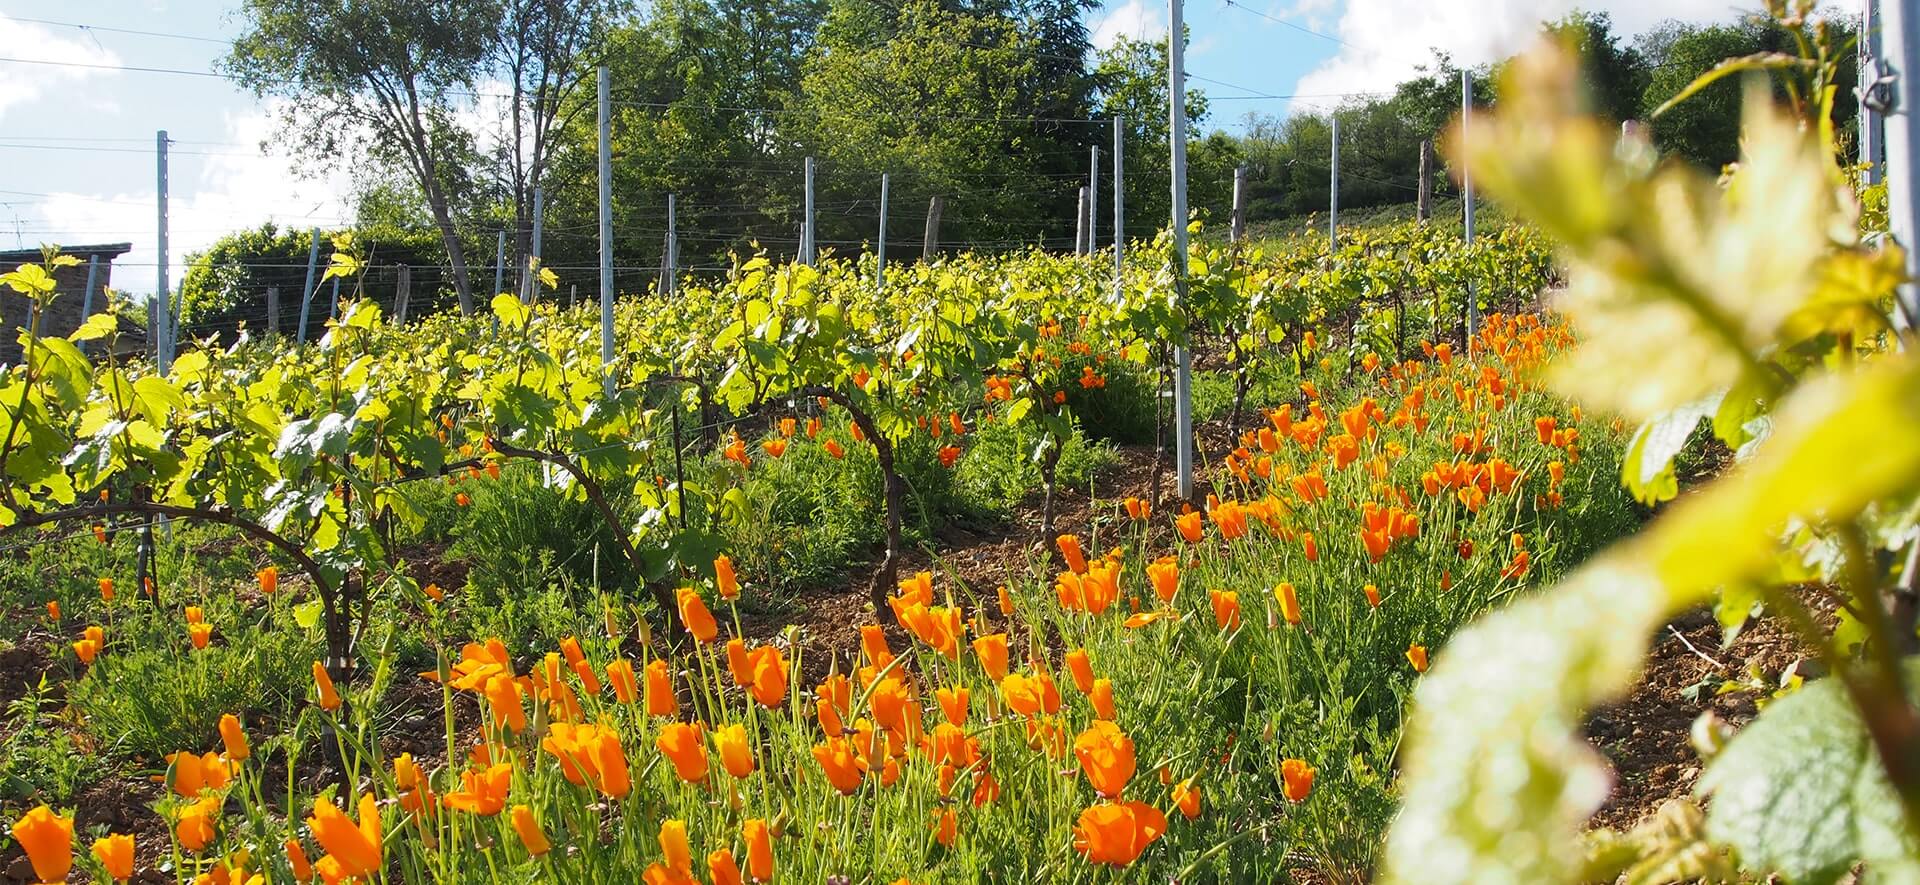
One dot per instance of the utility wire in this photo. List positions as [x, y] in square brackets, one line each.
[111, 30]
[1280, 21]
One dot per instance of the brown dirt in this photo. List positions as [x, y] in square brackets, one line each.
[1646, 735]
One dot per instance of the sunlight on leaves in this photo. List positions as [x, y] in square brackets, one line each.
[1684, 280]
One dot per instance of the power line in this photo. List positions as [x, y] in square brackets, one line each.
[1281, 21]
[143, 139]
[111, 30]
[1297, 95]
[126, 150]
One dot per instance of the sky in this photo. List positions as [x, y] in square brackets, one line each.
[77, 138]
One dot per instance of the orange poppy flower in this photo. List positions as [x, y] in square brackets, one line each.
[736, 753]
[1417, 656]
[503, 698]
[106, 589]
[837, 760]
[1102, 699]
[1226, 608]
[694, 613]
[626, 689]
[873, 642]
[722, 867]
[1023, 694]
[660, 698]
[190, 775]
[682, 745]
[196, 828]
[483, 791]
[676, 863]
[584, 670]
[353, 850]
[992, 650]
[297, 859]
[1289, 602]
[724, 579]
[199, 634]
[768, 683]
[1190, 526]
[946, 826]
[86, 650]
[1142, 619]
[1070, 551]
[527, 827]
[590, 755]
[1186, 797]
[47, 839]
[1296, 779]
[1231, 519]
[738, 664]
[329, 698]
[1373, 595]
[759, 841]
[1106, 756]
[115, 853]
[234, 738]
[1081, 668]
[1102, 586]
[953, 703]
[1117, 833]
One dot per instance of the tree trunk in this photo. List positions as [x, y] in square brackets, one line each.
[443, 218]
[887, 575]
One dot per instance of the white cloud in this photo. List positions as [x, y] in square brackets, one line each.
[1313, 13]
[1387, 40]
[213, 191]
[1134, 19]
[22, 83]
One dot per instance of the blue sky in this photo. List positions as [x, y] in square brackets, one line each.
[76, 142]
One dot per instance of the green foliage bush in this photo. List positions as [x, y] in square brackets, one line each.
[148, 694]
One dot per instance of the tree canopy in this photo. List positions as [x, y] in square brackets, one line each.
[452, 112]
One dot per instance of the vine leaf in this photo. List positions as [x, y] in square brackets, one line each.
[1647, 469]
[1801, 793]
[1687, 281]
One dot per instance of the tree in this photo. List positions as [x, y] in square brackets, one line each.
[1133, 87]
[544, 50]
[382, 76]
[1705, 129]
[965, 105]
[1616, 76]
